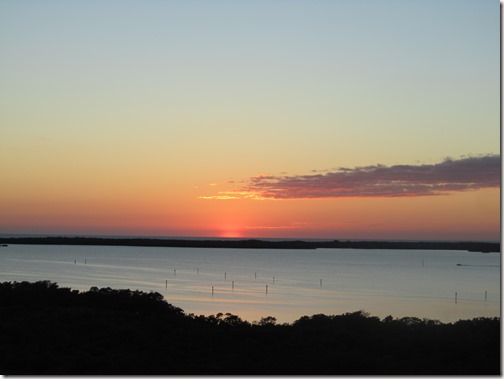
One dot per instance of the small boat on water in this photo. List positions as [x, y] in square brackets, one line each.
[4, 245]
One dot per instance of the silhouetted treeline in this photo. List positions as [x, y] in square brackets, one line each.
[254, 243]
[49, 330]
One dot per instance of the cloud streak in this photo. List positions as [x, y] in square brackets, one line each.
[450, 175]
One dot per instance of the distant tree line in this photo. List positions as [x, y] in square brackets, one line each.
[49, 330]
[255, 243]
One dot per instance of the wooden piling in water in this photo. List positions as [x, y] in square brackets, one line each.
[197, 271]
[166, 283]
[174, 272]
[225, 274]
[320, 282]
[255, 275]
[273, 280]
[212, 290]
[266, 289]
[232, 285]
[455, 298]
[485, 295]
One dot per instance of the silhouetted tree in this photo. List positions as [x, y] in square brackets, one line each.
[45, 329]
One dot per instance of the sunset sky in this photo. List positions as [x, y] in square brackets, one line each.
[251, 118]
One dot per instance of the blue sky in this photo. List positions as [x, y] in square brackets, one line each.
[159, 99]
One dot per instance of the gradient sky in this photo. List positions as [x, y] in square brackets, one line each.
[242, 118]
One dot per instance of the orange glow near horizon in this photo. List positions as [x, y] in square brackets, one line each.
[231, 233]
[469, 215]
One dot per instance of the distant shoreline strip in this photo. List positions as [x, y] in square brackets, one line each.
[485, 247]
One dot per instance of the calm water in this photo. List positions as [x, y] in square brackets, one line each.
[420, 283]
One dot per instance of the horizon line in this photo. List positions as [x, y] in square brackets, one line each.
[130, 236]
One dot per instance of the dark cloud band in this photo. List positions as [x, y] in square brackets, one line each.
[451, 175]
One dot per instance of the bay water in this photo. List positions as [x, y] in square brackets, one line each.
[286, 284]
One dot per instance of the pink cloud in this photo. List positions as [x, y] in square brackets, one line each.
[450, 175]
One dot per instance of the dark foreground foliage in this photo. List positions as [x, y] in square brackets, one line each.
[45, 329]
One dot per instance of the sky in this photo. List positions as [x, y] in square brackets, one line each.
[372, 119]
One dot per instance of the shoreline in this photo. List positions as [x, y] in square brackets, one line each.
[484, 247]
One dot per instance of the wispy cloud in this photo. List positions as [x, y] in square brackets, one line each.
[450, 175]
[292, 225]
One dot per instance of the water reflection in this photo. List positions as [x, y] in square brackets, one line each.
[299, 282]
